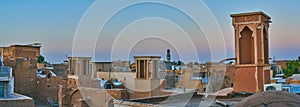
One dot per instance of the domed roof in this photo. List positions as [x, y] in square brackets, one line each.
[271, 99]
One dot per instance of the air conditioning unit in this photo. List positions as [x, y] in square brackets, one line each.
[272, 87]
[288, 89]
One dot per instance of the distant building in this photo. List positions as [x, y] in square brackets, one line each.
[147, 67]
[168, 55]
[79, 75]
[276, 70]
[168, 61]
[61, 69]
[192, 78]
[121, 66]
[281, 63]
[147, 83]
[101, 67]
[79, 66]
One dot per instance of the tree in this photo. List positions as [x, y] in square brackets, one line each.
[292, 67]
[174, 63]
[41, 59]
[179, 63]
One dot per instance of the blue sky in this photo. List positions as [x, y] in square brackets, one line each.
[54, 22]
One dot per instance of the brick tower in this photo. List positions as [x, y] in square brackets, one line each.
[252, 51]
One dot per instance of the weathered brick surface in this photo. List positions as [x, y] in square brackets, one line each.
[17, 103]
[61, 70]
[245, 80]
[23, 60]
[118, 93]
[48, 87]
[252, 51]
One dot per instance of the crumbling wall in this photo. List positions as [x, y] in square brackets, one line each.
[48, 87]
[229, 76]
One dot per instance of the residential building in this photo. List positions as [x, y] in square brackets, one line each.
[7, 96]
[23, 60]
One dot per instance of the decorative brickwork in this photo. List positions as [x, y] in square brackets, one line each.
[252, 51]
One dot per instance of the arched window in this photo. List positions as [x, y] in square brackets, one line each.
[246, 46]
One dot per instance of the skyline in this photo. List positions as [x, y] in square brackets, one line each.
[53, 23]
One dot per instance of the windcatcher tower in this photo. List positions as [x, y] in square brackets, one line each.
[252, 51]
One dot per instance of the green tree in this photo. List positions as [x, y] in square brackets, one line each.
[174, 63]
[179, 63]
[41, 59]
[292, 67]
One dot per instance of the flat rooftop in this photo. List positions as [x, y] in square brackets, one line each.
[146, 56]
[250, 13]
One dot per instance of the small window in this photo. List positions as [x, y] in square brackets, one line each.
[49, 75]
[26, 59]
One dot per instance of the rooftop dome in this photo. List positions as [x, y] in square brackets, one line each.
[271, 99]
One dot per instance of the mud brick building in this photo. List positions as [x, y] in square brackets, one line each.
[23, 60]
[252, 51]
[61, 69]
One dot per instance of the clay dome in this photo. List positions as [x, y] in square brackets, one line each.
[271, 99]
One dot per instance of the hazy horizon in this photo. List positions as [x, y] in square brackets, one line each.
[53, 23]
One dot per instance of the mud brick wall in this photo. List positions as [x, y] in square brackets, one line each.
[48, 87]
[17, 103]
[61, 70]
[23, 60]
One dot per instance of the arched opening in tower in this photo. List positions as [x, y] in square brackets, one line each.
[266, 46]
[246, 46]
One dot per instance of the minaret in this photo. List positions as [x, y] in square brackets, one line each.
[168, 61]
[168, 55]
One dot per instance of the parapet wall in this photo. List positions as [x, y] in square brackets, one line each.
[17, 100]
